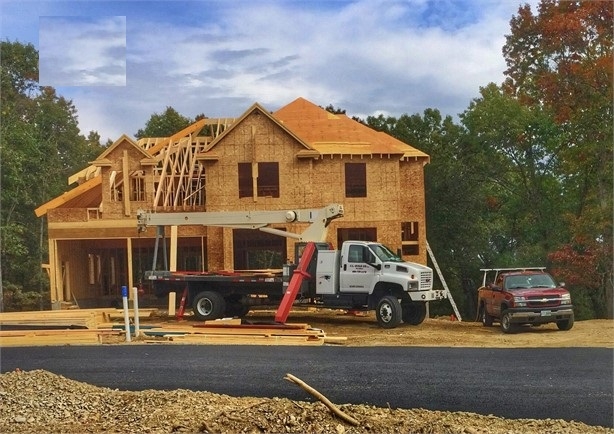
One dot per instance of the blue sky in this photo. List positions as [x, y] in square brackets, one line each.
[121, 61]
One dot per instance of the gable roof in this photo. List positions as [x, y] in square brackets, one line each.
[261, 110]
[330, 133]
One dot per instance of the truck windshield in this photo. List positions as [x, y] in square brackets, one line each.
[529, 281]
[384, 253]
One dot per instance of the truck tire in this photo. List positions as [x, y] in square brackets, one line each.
[565, 324]
[487, 319]
[237, 309]
[389, 312]
[506, 323]
[208, 305]
[414, 313]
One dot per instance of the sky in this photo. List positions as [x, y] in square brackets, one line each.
[119, 62]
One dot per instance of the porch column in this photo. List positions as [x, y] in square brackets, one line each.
[129, 256]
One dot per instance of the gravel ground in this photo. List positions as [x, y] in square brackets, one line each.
[41, 402]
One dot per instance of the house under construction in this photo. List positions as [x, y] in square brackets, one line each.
[300, 156]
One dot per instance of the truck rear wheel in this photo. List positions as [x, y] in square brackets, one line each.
[208, 305]
[389, 312]
[414, 312]
[237, 309]
[486, 318]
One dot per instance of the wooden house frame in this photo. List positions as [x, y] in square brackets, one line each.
[300, 156]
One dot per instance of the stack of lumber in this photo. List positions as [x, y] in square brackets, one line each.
[29, 338]
[229, 332]
[73, 318]
[53, 327]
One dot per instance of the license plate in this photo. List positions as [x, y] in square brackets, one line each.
[546, 313]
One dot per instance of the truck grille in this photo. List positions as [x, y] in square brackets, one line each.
[544, 301]
[426, 280]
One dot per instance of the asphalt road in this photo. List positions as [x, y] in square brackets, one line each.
[558, 383]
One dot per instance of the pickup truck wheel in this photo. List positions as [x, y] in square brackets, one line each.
[389, 312]
[565, 324]
[208, 305]
[506, 323]
[487, 320]
[414, 313]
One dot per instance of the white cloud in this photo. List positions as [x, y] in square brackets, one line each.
[366, 56]
[78, 51]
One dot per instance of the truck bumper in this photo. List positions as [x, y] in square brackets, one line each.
[431, 295]
[540, 316]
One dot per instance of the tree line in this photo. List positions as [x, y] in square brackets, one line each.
[522, 178]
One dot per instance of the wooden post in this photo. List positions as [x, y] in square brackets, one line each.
[172, 300]
[129, 256]
[126, 180]
[53, 270]
[173, 262]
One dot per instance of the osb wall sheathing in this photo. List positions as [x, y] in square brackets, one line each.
[257, 139]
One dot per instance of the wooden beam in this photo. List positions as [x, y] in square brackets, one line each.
[130, 270]
[173, 252]
[126, 180]
[71, 194]
[192, 129]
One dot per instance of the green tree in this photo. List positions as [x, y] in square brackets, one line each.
[165, 124]
[40, 147]
[520, 162]
[454, 202]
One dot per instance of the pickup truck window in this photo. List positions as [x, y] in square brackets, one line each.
[529, 281]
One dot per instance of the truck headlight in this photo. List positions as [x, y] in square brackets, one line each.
[566, 299]
[413, 286]
[520, 301]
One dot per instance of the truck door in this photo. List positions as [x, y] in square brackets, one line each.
[356, 275]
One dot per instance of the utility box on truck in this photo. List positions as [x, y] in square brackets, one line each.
[326, 275]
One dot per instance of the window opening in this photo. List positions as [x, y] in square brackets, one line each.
[410, 245]
[355, 180]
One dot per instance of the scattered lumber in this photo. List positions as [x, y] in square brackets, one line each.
[23, 338]
[102, 326]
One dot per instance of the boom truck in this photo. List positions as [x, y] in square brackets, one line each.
[361, 276]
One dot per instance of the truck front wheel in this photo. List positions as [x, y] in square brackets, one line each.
[506, 323]
[414, 313]
[389, 312]
[208, 305]
[565, 324]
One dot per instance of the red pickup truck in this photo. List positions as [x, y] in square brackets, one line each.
[516, 296]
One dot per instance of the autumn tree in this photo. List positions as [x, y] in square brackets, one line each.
[560, 60]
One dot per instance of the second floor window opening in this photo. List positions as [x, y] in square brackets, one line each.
[355, 180]
[267, 182]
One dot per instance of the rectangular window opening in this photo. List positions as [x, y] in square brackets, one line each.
[355, 180]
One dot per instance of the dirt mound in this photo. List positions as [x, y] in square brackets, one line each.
[39, 401]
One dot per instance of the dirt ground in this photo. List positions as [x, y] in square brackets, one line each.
[362, 330]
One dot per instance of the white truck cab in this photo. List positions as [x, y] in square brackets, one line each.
[367, 275]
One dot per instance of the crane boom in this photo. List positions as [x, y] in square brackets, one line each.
[319, 219]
